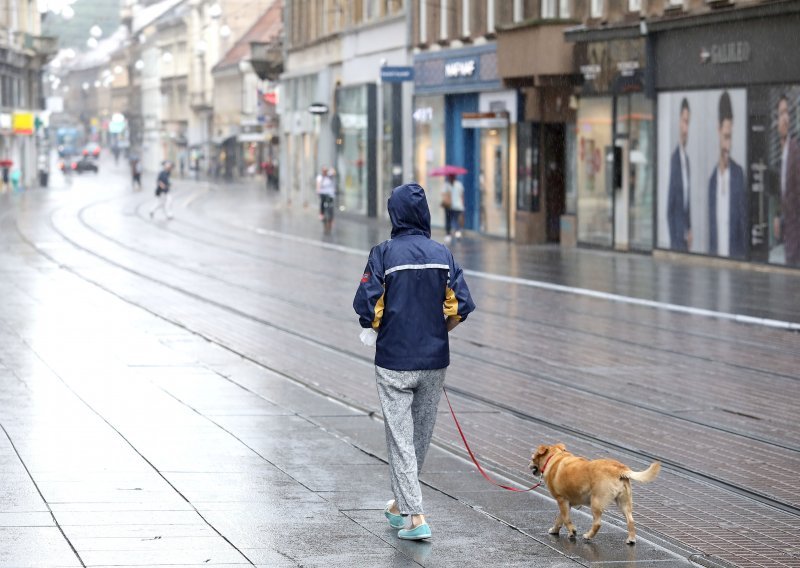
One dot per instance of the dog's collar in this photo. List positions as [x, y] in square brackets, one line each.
[544, 467]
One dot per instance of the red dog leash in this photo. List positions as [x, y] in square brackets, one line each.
[475, 461]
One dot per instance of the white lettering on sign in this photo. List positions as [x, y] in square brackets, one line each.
[731, 52]
[423, 114]
[459, 68]
[627, 68]
[590, 72]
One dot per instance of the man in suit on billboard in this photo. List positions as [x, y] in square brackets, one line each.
[727, 198]
[678, 208]
[786, 225]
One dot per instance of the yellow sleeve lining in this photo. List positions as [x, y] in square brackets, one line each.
[451, 304]
[376, 323]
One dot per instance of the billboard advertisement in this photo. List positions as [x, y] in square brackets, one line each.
[775, 173]
[704, 187]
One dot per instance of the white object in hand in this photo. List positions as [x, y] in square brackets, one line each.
[368, 336]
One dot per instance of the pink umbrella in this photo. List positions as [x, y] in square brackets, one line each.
[448, 170]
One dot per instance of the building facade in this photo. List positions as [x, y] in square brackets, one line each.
[23, 55]
[464, 114]
[341, 107]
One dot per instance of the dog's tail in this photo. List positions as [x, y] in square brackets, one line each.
[645, 476]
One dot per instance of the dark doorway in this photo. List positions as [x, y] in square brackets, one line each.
[554, 186]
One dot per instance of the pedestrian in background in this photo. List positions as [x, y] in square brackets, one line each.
[136, 173]
[455, 189]
[162, 192]
[412, 294]
[326, 189]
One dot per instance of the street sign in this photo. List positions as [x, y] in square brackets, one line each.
[318, 108]
[397, 74]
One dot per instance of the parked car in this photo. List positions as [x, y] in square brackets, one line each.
[85, 164]
[92, 149]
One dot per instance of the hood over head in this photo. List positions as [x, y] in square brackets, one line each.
[409, 212]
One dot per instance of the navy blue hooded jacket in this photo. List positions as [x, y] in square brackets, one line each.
[409, 287]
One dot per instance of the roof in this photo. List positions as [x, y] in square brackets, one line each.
[267, 28]
[143, 17]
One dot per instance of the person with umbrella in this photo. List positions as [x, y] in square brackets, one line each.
[452, 200]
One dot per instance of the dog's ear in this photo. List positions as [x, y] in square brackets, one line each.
[560, 446]
[541, 450]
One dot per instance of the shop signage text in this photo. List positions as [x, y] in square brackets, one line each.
[423, 114]
[464, 68]
[397, 74]
[318, 108]
[23, 122]
[484, 119]
[722, 53]
[627, 68]
[590, 72]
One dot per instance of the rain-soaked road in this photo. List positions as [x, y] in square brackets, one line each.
[194, 392]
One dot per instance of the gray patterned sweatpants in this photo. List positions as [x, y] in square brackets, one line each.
[409, 400]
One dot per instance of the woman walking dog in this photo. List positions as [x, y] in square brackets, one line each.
[412, 294]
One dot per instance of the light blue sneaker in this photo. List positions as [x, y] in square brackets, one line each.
[395, 521]
[420, 532]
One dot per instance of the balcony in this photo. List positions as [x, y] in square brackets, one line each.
[199, 102]
[267, 59]
[42, 45]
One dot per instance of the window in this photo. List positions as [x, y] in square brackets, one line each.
[552, 9]
[634, 5]
[375, 9]
[598, 9]
[518, 11]
[676, 3]
[423, 21]
[490, 23]
[465, 18]
[443, 19]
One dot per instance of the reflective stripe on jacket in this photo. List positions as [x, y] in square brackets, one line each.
[409, 286]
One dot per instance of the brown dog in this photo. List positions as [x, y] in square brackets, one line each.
[575, 481]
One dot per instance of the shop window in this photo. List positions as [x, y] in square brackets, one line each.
[429, 150]
[571, 171]
[351, 155]
[528, 190]
[593, 156]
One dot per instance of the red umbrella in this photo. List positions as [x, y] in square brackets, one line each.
[448, 170]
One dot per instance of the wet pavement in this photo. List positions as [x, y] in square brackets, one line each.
[193, 392]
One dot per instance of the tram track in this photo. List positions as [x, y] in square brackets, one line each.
[469, 399]
[672, 464]
[549, 378]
